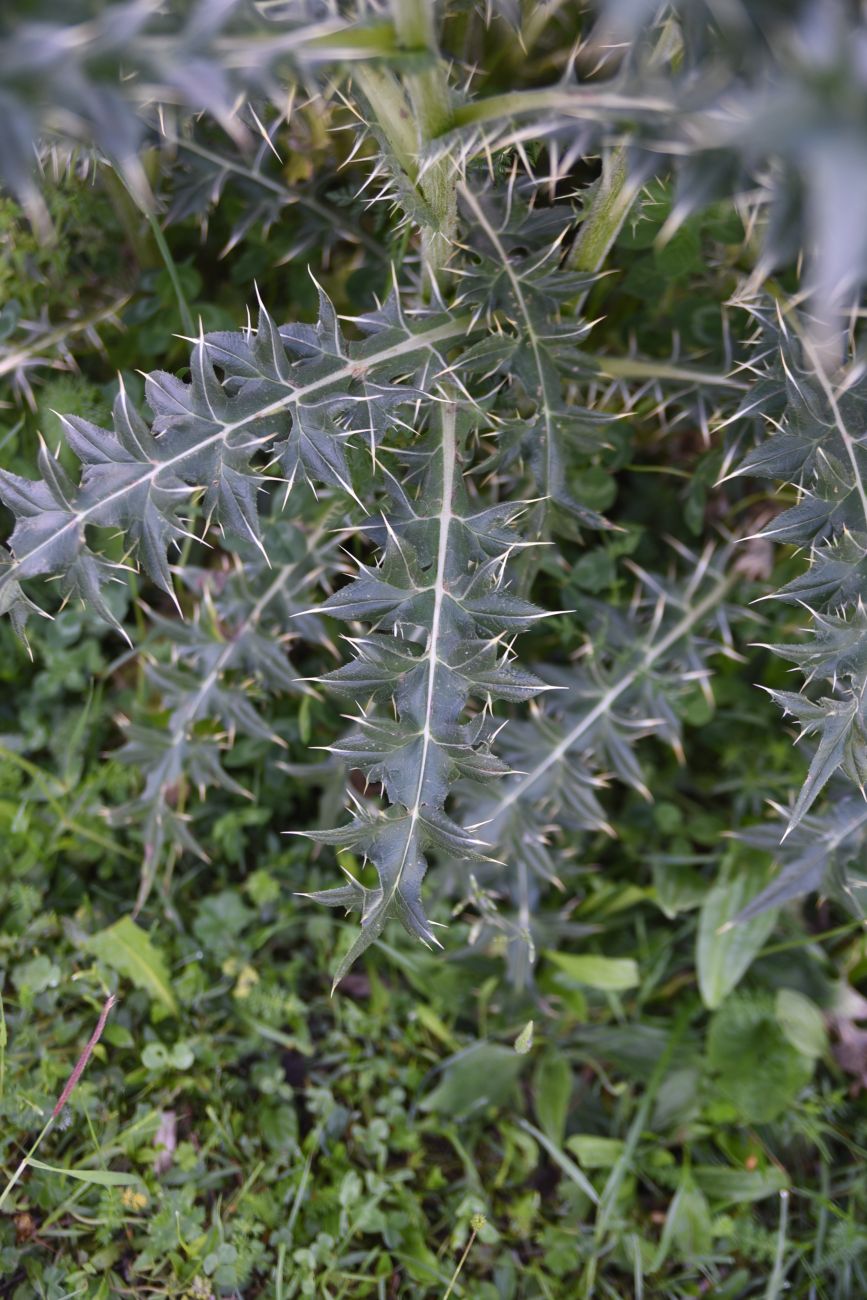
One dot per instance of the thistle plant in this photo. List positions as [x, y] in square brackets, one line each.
[416, 468]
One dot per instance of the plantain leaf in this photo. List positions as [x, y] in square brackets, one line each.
[552, 1090]
[802, 1022]
[127, 949]
[726, 945]
[614, 974]
[725, 1186]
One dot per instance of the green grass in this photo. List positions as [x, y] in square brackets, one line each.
[284, 1142]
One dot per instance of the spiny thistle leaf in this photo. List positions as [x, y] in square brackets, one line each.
[624, 688]
[391, 414]
[88, 77]
[205, 171]
[295, 395]
[520, 296]
[814, 857]
[728, 97]
[448, 584]
[817, 444]
[231, 652]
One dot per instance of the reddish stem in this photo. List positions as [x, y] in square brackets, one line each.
[85, 1057]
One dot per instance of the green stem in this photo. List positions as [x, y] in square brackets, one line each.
[165, 253]
[647, 368]
[409, 117]
[186, 324]
[129, 213]
[580, 102]
[776, 1281]
[614, 1182]
[461, 1262]
[428, 88]
[538, 18]
[68, 1089]
[616, 190]
[386, 97]
[808, 940]
[4, 1038]
[431, 101]
[171, 267]
[16, 1174]
[606, 214]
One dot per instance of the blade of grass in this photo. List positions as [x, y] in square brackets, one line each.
[614, 1182]
[39, 777]
[776, 1282]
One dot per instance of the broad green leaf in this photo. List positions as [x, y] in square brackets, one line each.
[552, 1088]
[156, 1056]
[725, 947]
[801, 1021]
[37, 975]
[485, 1075]
[101, 1177]
[687, 1224]
[679, 886]
[731, 1186]
[610, 973]
[677, 1100]
[681, 254]
[127, 949]
[757, 1069]
[595, 1152]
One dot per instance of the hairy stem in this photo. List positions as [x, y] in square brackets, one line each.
[606, 214]
[428, 88]
[409, 119]
[186, 316]
[431, 101]
[616, 190]
[571, 102]
[386, 97]
[645, 368]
